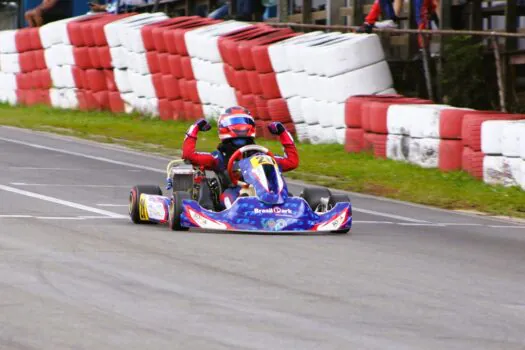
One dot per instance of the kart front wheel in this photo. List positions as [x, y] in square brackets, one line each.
[134, 197]
[313, 196]
[176, 210]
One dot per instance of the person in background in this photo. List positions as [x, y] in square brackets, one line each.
[111, 7]
[48, 11]
[270, 9]
[390, 9]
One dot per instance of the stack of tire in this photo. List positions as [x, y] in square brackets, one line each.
[471, 130]
[93, 71]
[9, 67]
[128, 55]
[317, 72]
[501, 143]
[433, 135]
[163, 41]
[60, 61]
[365, 119]
[237, 51]
[211, 86]
[34, 79]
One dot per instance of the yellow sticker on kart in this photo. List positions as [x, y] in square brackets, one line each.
[262, 160]
[143, 211]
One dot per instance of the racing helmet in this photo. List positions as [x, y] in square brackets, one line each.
[235, 110]
[237, 127]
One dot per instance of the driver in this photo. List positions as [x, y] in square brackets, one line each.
[236, 129]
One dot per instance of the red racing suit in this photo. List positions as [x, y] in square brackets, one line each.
[215, 160]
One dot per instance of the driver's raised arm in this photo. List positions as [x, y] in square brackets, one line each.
[207, 160]
[290, 160]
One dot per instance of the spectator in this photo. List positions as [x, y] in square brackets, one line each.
[221, 12]
[390, 9]
[48, 11]
[244, 10]
[270, 9]
[111, 7]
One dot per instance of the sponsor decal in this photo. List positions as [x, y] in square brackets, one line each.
[156, 209]
[143, 211]
[274, 210]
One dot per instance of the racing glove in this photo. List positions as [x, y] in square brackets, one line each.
[169, 183]
[276, 128]
[200, 125]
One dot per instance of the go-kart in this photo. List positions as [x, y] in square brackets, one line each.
[263, 205]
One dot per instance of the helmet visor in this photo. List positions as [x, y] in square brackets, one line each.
[241, 141]
[236, 120]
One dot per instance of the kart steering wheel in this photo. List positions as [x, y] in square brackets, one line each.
[239, 155]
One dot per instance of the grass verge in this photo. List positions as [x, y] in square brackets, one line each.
[327, 165]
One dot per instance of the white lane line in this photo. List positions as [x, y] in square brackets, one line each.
[72, 185]
[386, 215]
[78, 154]
[460, 224]
[506, 226]
[39, 168]
[112, 205]
[371, 222]
[421, 224]
[59, 218]
[60, 201]
[15, 216]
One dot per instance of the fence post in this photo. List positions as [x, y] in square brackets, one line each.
[283, 11]
[501, 85]
[307, 11]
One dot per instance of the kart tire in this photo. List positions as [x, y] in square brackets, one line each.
[175, 210]
[134, 196]
[338, 198]
[313, 195]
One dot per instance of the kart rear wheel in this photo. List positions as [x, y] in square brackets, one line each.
[134, 196]
[313, 195]
[176, 210]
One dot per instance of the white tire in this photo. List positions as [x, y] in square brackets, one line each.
[119, 57]
[140, 63]
[491, 136]
[277, 51]
[340, 135]
[315, 134]
[286, 83]
[398, 147]
[294, 52]
[205, 90]
[208, 71]
[309, 111]
[389, 91]
[111, 30]
[7, 41]
[401, 118]
[426, 123]
[424, 152]
[350, 52]
[9, 63]
[66, 77]
[513, 133]
[324, 111]
[338, 115]
[522, 172]
[301, 131]
[296, 111]
[203, 41]
[211, 112]
[8, 81]
[122, 80]
[368, 80]
[70, 98]
[499, 170]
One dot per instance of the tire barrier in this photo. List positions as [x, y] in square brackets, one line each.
[324, 87]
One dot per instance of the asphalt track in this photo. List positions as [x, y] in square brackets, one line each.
[76, 274]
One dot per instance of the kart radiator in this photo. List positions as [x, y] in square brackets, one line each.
[182, 178]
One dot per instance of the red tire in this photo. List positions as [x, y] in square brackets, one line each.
[450, 155]
[96, 80]
[261, 104]
[177, 107]
[254, 82]
[188, 110]
[79, 76]
[165, 109]
[476, 164]
[40, 60]
[354, 140]
[171, 87]
[187, 70]
[193, 92]
[105, 57]
[27, 62]
[269, 86]
[278, 110]
[164, 63]
[229, 72]
[153, 62]
[94, 57]
[198, 112]
[102, 98]
[175, 66]
[116, 104]
[242, 82]
[110, 79]
[158, 84]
